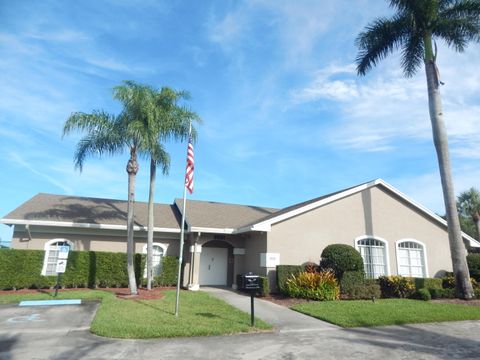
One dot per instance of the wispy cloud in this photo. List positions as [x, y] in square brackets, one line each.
[376, 112]
[19, 161]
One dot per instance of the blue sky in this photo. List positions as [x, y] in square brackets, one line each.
[285, 117]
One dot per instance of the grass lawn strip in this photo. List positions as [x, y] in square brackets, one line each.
[199, 314]
[386, 312]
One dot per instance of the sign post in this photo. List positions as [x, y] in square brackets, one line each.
[61, 264]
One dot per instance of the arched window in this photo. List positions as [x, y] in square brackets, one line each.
[52, 248]
[411, 258]
[158, 252]
[375, 256]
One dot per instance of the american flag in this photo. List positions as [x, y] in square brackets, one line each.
[190, 167]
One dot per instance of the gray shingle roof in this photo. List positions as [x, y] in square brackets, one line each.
[211, 214]
[48, 207]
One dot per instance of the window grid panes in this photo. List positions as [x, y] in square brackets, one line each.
[411, 259]
[156, 261]
[373, 253]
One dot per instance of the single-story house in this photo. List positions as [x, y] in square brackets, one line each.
[394, 234]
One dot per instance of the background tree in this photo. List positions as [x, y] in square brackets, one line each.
[160, 118]
[469, 207]
[113, 134]
[413, 29]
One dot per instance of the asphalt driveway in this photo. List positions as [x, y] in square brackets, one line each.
[61, 333]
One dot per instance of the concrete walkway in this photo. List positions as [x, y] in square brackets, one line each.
[283, 319]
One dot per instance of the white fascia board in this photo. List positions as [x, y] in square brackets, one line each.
[256, 227]
[262, 226]
[194, 229]
[82, 225]
[422, 208]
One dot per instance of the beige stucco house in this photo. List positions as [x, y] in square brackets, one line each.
[394, 234]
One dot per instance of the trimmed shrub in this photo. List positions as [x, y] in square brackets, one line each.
[354, 286]
[442, 293]
[473, 261]
[341, 258]
[350, 280]
[422, 294]
[366, 291]
[427, 283]
[169, 274]
[284, 272]
[396, 286]
[22, 268]
[314, 286]
[264, 287]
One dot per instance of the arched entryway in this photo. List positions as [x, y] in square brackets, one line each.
[216, 263]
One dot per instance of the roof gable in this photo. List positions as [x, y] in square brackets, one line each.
[298, 209]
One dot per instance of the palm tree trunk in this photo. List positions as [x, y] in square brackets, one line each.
[457, 248]
[132, 168]
[153, 174]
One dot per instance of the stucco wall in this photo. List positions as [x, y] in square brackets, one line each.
[374, 211]
[114, 241]
[255, 244]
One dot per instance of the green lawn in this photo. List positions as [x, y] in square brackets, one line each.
[200, 314]
[386, 312]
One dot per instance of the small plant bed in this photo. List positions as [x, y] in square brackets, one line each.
[200, 314]
[386, 312]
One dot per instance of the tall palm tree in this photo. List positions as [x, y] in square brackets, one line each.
[469, 205]
[413, 29]
[163, 119]
[112, 134]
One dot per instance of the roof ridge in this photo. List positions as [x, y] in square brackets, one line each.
[228, 203]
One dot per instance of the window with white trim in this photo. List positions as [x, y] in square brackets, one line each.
[158, 253]
[52, 248]
[411, 259]
[374, 255]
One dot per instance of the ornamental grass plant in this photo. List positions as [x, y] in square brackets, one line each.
[313, 285]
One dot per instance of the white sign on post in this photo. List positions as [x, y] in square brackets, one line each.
[63, 252]
[61, 266]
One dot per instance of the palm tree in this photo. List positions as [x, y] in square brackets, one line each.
[413, 29]
[469, 205]
[113, 134]
[162, 119]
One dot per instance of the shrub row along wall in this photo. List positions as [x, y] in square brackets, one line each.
[284, 272]
[21, 269]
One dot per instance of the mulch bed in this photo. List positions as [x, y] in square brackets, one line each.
[121, 293]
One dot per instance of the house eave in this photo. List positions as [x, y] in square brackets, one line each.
[83, 225]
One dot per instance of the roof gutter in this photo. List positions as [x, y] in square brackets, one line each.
[83, 225]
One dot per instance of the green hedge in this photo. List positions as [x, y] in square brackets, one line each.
[427, 283]
[473, 261]
[169, 274]
[21, 269]
[354, 286]
[264, 286]
[284, 272]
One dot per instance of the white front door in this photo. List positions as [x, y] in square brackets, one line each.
[213, 266]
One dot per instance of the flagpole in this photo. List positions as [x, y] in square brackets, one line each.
[182, 236]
